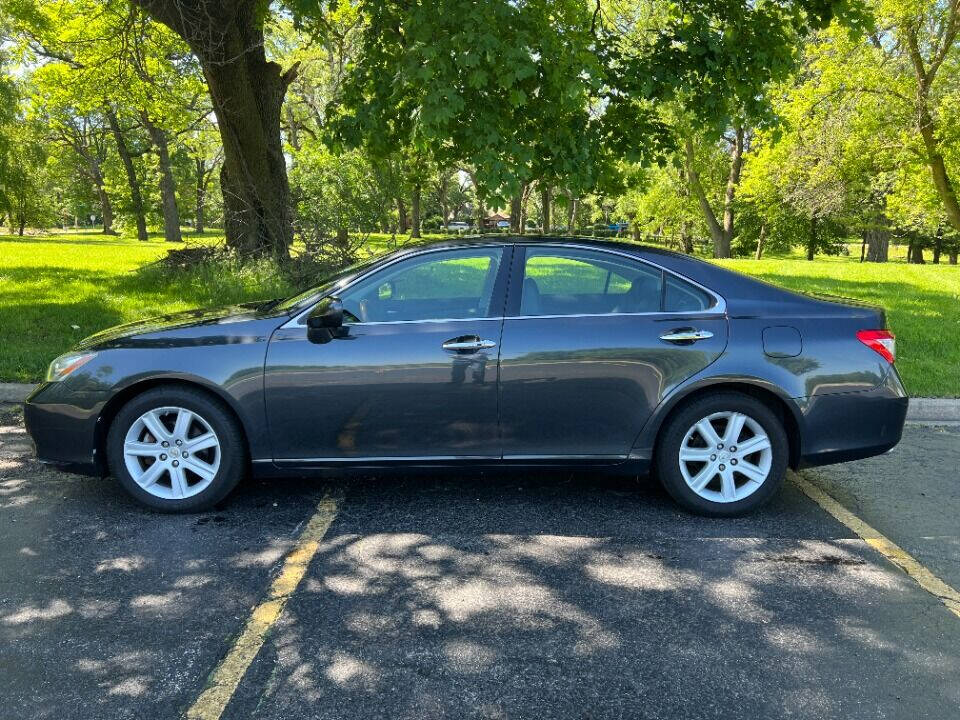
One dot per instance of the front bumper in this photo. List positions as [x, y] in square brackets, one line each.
[840, 427]
[64, 433]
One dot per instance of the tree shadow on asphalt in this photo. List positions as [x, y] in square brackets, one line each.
[576, 596]
[541, 595]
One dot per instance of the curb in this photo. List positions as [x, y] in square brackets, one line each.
[921, 409]
[14, 392]
[934, 410]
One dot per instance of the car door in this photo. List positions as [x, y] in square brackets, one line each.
[412, 374]
[592, 341]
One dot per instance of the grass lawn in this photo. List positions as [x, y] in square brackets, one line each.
[58, 288]
[53, 282]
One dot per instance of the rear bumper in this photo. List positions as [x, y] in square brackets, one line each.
[840, 427]
[63, 433]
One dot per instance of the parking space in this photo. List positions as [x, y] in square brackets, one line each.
[550, 595]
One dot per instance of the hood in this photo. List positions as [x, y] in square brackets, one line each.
[200, 318]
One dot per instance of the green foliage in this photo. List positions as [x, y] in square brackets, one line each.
[338, 191]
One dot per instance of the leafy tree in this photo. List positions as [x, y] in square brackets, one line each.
[557, 89]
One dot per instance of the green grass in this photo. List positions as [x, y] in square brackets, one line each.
[53, 282]
[56, 289]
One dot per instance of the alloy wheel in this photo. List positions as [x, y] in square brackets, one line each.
[172, 452]
[725, 457]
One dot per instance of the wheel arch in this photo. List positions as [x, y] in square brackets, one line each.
[122, 397]
[782, 406]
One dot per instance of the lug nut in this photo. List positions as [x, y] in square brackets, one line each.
[179, 442]
[183, 454]
[713, 457]
[733, 448]
[720, 446]
[722, 467]
[176, 464]
[165, 444]
[163, 457]
[733, 462]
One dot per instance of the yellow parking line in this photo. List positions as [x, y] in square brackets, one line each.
[225, 679]
[886, 547]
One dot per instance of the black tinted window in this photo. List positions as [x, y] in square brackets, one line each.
[683, 297]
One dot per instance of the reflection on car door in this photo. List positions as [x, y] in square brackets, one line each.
[583, 361]
[413, 374]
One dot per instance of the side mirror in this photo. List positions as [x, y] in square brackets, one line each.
[325, 319]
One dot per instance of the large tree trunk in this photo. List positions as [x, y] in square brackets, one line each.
[415, 211]
[545, 209]
[247, 94]
[953, 257]
[168, 184]
[878, 244]
[136, 197]
[937, 246]
[812, 242]
[915, 253]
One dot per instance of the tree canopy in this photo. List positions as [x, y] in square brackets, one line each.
[738, 124]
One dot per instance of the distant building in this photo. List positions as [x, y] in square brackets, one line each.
[497, 220]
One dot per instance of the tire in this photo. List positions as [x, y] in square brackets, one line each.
[193, 474]
[684, 480]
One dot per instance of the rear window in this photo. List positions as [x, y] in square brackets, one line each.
[681, 296]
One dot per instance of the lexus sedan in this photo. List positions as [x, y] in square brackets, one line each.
[517, 352]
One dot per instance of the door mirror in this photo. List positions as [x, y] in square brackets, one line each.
[325, 319]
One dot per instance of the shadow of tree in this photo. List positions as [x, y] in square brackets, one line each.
[586, 597]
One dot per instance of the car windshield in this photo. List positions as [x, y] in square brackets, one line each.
[327, 284]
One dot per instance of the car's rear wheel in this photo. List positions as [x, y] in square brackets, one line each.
[723, 454]
[176, 449]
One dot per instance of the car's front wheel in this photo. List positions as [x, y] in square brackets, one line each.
[723, 454]
[176, 449]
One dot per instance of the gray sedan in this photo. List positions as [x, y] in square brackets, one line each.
[519, 352]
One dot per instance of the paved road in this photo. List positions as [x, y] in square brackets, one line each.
[550, 596]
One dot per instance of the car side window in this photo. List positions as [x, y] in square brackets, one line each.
[571, 281]
[681, 296]
[443, 285]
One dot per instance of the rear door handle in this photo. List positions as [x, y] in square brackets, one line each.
[468, 343]
[686, 335]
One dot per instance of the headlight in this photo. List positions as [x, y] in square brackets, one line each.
[66, 364]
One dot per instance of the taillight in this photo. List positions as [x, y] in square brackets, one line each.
[880, 341]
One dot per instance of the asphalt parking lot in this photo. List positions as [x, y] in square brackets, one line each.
[547, 596]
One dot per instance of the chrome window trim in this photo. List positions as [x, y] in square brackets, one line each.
[719, 308]
[676, 314]
[495, 318]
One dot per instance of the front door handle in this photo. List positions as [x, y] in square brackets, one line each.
[686, 335]
[468, 343]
